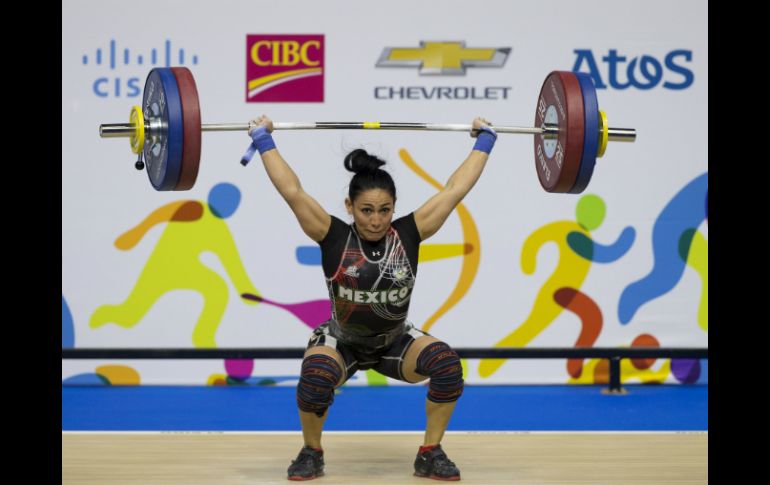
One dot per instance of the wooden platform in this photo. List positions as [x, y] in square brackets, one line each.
[386, 458]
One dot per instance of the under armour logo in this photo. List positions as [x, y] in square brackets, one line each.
[376, 253]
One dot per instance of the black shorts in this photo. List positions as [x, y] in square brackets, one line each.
[387, 360]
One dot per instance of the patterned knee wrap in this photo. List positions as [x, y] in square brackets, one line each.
[315, 391]
[442, 365]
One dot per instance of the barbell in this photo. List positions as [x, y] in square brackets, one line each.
[570, 132]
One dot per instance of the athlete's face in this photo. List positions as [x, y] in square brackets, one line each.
[372, 212]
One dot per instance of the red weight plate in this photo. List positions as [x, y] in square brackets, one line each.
[191, 114]
[560, 103]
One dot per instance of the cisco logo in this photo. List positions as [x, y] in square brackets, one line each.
[131, 87]
[644, 72]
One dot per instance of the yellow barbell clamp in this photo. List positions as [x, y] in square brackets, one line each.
[603, 134]
[137, 137]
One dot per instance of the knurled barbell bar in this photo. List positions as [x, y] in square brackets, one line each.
[166, 130]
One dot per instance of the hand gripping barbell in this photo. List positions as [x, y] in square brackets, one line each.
[166, 130]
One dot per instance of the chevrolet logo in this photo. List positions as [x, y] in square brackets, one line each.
[443, 58]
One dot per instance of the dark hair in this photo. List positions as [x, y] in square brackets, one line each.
[368, 175]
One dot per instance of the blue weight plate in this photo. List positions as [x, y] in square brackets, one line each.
[591, 141]
[164, 140]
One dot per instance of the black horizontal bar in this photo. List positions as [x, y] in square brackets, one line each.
[467, 353]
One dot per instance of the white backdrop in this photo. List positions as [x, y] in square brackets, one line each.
[103, 196]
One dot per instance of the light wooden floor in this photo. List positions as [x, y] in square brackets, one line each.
[483, 458]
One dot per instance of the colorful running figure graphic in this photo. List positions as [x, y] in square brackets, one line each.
[192, 228]
[576, 252]
[674, 246]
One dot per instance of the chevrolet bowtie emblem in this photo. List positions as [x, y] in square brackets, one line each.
[442, 58]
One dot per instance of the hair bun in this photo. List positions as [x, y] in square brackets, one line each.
[360, 161]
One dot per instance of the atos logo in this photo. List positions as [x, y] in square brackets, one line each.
[113, 85]
[645, 72]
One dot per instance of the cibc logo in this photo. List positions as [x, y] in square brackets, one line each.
[284, 68]
[642, 72]
[117, 86]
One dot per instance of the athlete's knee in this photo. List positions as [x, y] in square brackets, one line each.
[442, 364]
[315, 391]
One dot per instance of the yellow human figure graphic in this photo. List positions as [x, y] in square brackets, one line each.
[571, 270]
[192, 228]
